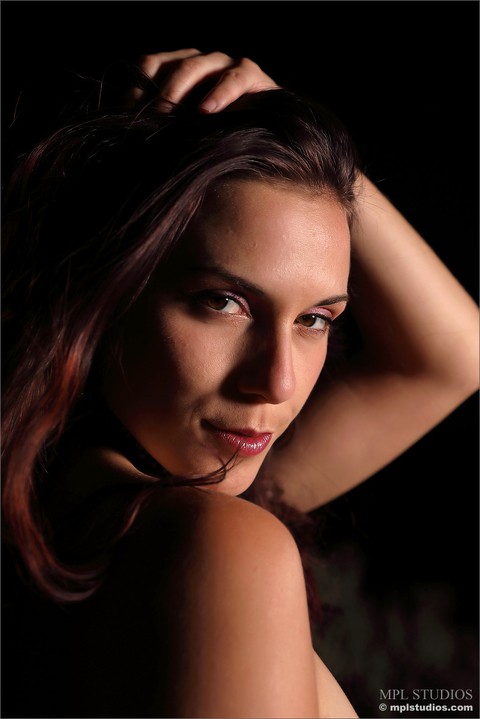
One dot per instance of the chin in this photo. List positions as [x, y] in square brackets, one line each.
[231, 475]
[235, 482]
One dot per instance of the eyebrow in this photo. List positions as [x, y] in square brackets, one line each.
[249, 286]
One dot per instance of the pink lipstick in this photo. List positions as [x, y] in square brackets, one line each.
[246, 442]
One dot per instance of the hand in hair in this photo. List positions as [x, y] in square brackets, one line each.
[177, 73]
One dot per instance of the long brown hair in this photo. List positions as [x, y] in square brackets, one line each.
[89, 216]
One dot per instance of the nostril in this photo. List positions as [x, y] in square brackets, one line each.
[270, 372]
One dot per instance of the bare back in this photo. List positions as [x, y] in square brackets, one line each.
[203, 613]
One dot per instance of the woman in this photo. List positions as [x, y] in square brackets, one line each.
[172, 277]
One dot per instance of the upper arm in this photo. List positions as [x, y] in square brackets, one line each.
[415, 362]
[355, 426]
[239, 633]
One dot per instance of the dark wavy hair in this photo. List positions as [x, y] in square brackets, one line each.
[90, 214]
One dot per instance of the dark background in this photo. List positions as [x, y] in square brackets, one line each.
[399, 554]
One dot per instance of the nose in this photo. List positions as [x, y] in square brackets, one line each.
[268, 370]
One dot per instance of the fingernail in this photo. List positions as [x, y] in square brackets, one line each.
[208, 105]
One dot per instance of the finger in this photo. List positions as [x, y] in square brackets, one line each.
[190, 72]
[245, 76]
[153, 64]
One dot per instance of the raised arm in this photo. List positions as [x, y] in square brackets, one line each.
[418, 358]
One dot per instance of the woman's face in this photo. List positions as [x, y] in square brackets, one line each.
[221, 356]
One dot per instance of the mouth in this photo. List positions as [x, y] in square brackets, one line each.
[246, 442]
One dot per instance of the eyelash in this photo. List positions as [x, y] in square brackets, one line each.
[204, 297]
[317, 316]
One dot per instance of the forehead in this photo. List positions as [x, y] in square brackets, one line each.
[253, 210]
[263, 229]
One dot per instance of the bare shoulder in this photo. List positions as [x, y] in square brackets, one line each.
[230, 526]
[212, 527]
[223, 582]
[211, 546]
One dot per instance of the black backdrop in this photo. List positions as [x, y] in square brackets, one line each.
[399, 568]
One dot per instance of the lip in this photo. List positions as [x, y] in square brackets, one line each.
[246, 442]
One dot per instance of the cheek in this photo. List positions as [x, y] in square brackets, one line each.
[309, 368]
[192, 356]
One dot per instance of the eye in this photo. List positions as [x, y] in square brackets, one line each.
[222, 303]
[320, 323]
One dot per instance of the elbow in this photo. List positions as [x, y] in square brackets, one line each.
[470, 380]
[463, 372]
